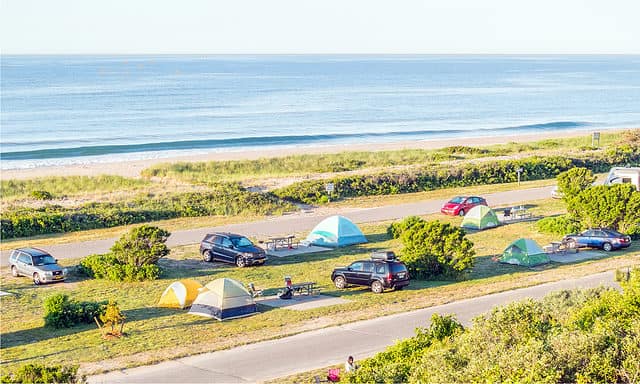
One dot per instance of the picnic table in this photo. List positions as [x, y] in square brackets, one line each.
[286, 242]
[308, 288]
[521, 212]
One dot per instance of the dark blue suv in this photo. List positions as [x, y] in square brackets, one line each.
[231, 248]
[607, 239]
[382, 271]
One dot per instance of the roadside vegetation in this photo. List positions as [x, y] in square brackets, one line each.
[568, 337]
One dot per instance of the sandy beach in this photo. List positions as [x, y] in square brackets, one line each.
[134, 167]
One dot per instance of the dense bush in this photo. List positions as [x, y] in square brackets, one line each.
[395, 229]
[558, 225]
[616, 206]
[223, 199]
[574, 181]
[62, 312]
[38, 373]
[395, 364]
[132, 258]
[141, 246]
[418, 180]
[108, 267]
[434, 249]
[569, 336]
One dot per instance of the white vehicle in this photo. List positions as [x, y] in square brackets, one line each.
[617, 175]
[620, 175]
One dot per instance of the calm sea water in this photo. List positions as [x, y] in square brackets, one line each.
[78, 109]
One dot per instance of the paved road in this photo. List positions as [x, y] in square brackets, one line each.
[287, 224]
[321, 348]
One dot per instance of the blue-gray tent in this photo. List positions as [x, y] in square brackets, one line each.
[336, 231]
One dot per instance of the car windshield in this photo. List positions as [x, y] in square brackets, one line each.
[457, 199]
[241, 242]
[43, 260]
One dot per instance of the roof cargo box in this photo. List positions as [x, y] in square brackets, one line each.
[383, 255]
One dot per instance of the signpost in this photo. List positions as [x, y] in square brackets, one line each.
[329, 188]
[519, 171]
[595, 138]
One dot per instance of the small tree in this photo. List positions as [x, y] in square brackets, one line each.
[436, 249]
[574, 181]
[142, 245]
[112, 318]
[610, 207]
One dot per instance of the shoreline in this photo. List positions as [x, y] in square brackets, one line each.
[133, 168]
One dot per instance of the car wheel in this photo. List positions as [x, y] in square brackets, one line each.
[207, 256]
[14, 271]
[340, 282]
[399, 288]
[571, 243]
[376, 287]
[461, 212]
[36, 279]
[607, 247]
[240, 262]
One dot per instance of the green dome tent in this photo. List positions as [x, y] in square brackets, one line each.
[524, 252]
[335, 231]
[480, 217]
[223, 299]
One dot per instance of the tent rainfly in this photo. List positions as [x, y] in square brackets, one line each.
[336, 231]
[180, 294]
[524, 252]
[223, 299]
[480, 217]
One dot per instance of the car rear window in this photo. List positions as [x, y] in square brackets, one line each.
[398, 267]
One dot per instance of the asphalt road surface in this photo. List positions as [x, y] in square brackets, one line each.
[316, 349]
[287, 224]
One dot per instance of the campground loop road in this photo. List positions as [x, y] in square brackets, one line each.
[321, 348]
[299, 221]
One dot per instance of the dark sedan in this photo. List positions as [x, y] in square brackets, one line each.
[607, 239]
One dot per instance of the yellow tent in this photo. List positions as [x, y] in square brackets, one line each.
[180, 294]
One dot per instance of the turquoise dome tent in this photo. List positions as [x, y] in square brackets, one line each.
[336, 231]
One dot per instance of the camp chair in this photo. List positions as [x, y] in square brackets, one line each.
[506, 213]
[253, 291]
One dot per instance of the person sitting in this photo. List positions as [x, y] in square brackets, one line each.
[350, 365]
[287, 292]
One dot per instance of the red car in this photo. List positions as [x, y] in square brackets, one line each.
[460, 205]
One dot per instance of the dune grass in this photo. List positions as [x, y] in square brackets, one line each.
[156, 334]
[61, 186]
[302, 165]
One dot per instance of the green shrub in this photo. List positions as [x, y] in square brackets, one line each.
[395, 229]
[67, 185]
[61, 312]
[433, 249]
[141, 246]
[108, 267]
[574, 181]
[38, 373]
[558, 225]
[616, 207]
[41, 195]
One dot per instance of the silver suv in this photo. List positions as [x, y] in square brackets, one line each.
[36, 263]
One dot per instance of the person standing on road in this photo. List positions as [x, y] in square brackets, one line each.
[350, 366]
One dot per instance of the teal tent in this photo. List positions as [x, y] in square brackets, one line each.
[480, 217]
[336, 231]
[524, 252]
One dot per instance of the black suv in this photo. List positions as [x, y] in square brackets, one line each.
[231, 248]
[382, 271]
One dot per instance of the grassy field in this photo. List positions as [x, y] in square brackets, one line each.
[156, 334]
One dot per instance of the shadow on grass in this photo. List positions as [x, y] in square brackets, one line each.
[34, 335]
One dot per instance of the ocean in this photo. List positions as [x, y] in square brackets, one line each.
[82, 109]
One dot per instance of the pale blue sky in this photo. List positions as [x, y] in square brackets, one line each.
[327, 26]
